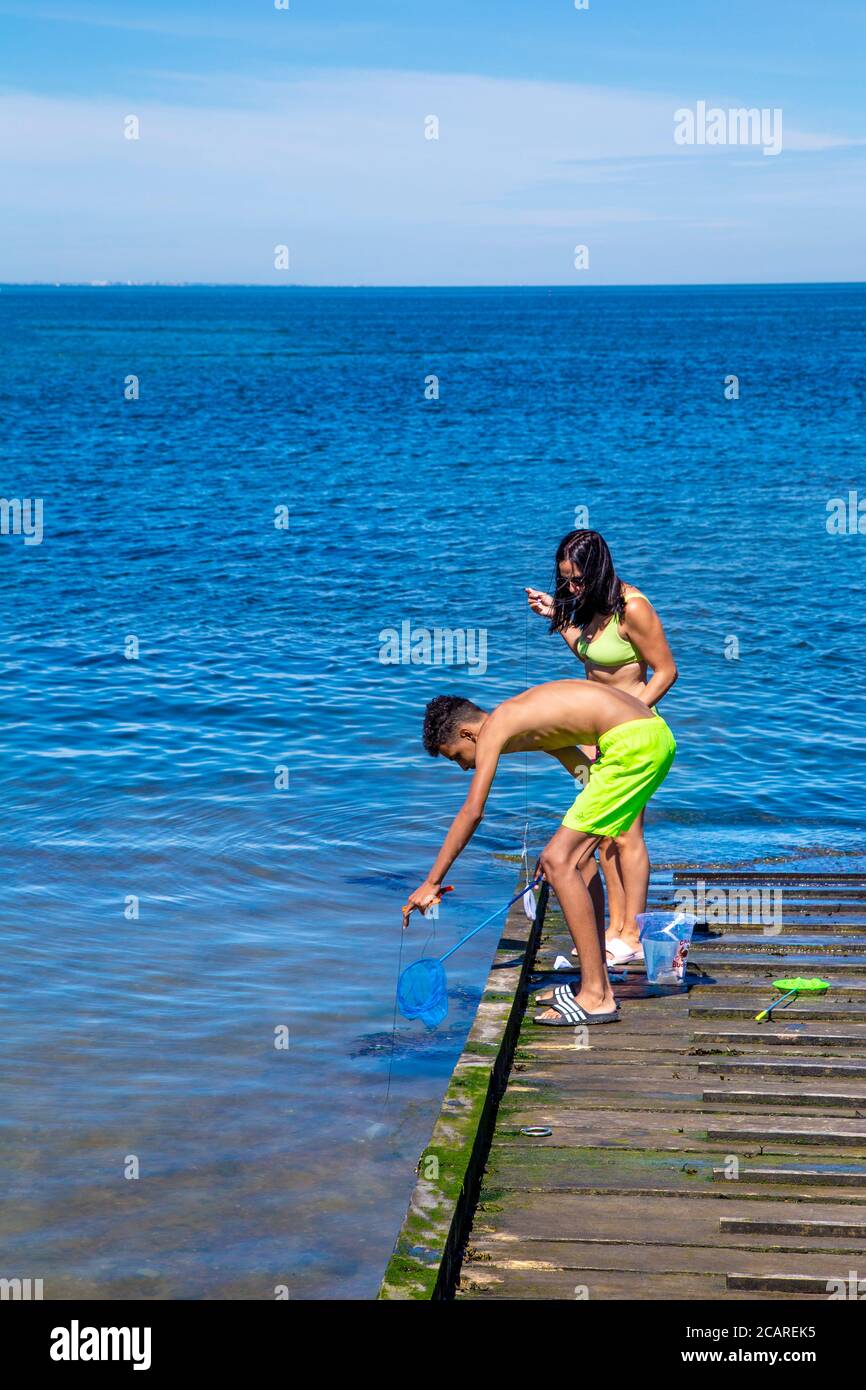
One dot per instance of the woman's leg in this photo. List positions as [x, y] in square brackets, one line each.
[609, 856]
[635, 868]
[592, 878]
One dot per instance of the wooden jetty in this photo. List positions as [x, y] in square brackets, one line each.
[692, 1153]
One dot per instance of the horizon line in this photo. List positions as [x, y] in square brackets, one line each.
[299, 285]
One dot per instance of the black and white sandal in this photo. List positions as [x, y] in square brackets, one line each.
[571, 1015]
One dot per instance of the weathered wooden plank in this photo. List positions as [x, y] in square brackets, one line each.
[755, 1226]
[576, 1124]
[608, 1076]
[791, 1285]
[488, 1282]
[627, 1096]
[789, 929]
[794, 1066]
[652, 1173]
[572, 1057]
[669, 1220]
[670, 1036]
[793, 904]
[768, 943]
[829, 1133]
[850, 989]
[770, 1036]
[782, 1025]
[825, 1175]
[835, 1013]
[829, 1101]
[688, 1145]
[586, 1258]
[491, 1283]
[777, 967]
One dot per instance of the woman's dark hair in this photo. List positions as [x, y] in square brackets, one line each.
[601, 595]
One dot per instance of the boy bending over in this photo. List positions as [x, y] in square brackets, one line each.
[636, 752]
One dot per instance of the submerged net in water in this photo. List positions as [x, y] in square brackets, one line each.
[422, 992]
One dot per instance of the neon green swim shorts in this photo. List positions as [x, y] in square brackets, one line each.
[635, 759]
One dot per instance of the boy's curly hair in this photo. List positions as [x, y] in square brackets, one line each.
[443, 717]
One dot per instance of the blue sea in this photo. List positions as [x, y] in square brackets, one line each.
[215, 796]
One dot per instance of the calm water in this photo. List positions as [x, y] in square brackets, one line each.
[152, 1038]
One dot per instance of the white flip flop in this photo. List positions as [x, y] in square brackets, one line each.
[619, 953]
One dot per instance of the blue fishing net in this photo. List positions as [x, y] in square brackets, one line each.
[422, 992]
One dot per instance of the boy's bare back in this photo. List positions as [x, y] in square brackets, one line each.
[560, 714]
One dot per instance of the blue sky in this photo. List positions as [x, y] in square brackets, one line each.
[261, 127]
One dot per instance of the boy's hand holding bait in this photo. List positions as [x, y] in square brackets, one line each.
[423, 898]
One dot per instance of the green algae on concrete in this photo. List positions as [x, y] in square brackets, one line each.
[426, 1255]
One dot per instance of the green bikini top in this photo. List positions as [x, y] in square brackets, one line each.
[609, 648]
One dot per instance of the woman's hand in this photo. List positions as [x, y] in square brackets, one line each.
[540, 603]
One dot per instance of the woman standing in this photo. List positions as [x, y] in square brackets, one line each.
[615, 631]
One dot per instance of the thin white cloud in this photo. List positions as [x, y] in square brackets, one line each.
[336, 165]
[206, 26]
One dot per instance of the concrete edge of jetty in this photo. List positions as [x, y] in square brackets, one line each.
[427, 1254]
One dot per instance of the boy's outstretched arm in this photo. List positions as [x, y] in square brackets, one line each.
[463, 827]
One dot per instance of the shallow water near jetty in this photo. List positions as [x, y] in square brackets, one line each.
[261, 910]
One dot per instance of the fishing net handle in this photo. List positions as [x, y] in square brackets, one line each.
[498, 913]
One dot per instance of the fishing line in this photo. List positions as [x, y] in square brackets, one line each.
[431, 937]
[394, 1019]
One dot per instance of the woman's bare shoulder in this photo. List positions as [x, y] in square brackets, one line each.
[630, 591]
